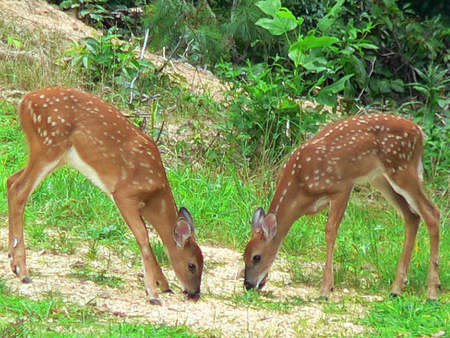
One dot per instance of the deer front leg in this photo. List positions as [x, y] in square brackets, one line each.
[337, 209]
[153, 275]
[20, 185]
[12, 215]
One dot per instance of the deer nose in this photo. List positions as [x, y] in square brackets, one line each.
[194, 296]
[248, 285]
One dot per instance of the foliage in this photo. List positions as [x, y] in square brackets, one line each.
[185, 29]
[265, 120]
[433, 113]
[427, 8]
[109, 61]
[92, 11]
[105, 14]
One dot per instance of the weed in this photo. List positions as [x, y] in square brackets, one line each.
[108, 61]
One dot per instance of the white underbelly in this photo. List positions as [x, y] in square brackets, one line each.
[378, 171]
[75, 161]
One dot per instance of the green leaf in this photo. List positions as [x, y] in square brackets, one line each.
[384, 86]
[312, 41]
[92, 45]
[297, 49]
[398, 85]
[328, 94]
[269, 7]
[325, 23]
[337, 86]
[359, 67]
[336, 9]
[287, 14]
[297, 55]
[278, 25]
[366, 45]
[85, 62]
[327, 99]
[443, 102]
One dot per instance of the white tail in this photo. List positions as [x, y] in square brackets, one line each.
[383, 149]
[68, 126]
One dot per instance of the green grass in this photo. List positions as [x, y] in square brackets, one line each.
[55, 317]
[408, 316]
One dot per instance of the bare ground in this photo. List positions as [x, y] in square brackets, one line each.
[214, 314]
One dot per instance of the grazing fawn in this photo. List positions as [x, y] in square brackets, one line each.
[68, 126]
[383, 149]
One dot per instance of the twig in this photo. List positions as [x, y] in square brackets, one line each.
[29, 56]
[141, 56]
[160, 131]
[168, 59]
[372, 66]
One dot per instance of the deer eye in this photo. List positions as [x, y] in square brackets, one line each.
[191, 267]
[256, 259]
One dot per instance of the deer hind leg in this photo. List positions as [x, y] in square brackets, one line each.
[153, 275]
[20, 186]
[338, 204]
[407, 184]
[412, 221]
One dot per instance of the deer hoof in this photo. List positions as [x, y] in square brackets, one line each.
[26, 280]
[155, 301]
[323, 296]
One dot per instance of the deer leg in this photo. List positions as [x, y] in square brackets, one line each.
[20, 186]
[412, 221]
[153, 275]
[407, 184]
[10, 182]
[337, 208]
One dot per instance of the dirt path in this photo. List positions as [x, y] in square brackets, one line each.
[216, 312]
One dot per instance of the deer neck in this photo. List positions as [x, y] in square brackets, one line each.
[161, 212]
[290, 202]
[285, 214]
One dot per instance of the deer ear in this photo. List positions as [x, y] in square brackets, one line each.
[183, 230]
[269, 227]
[184, 213]
[258, 218]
